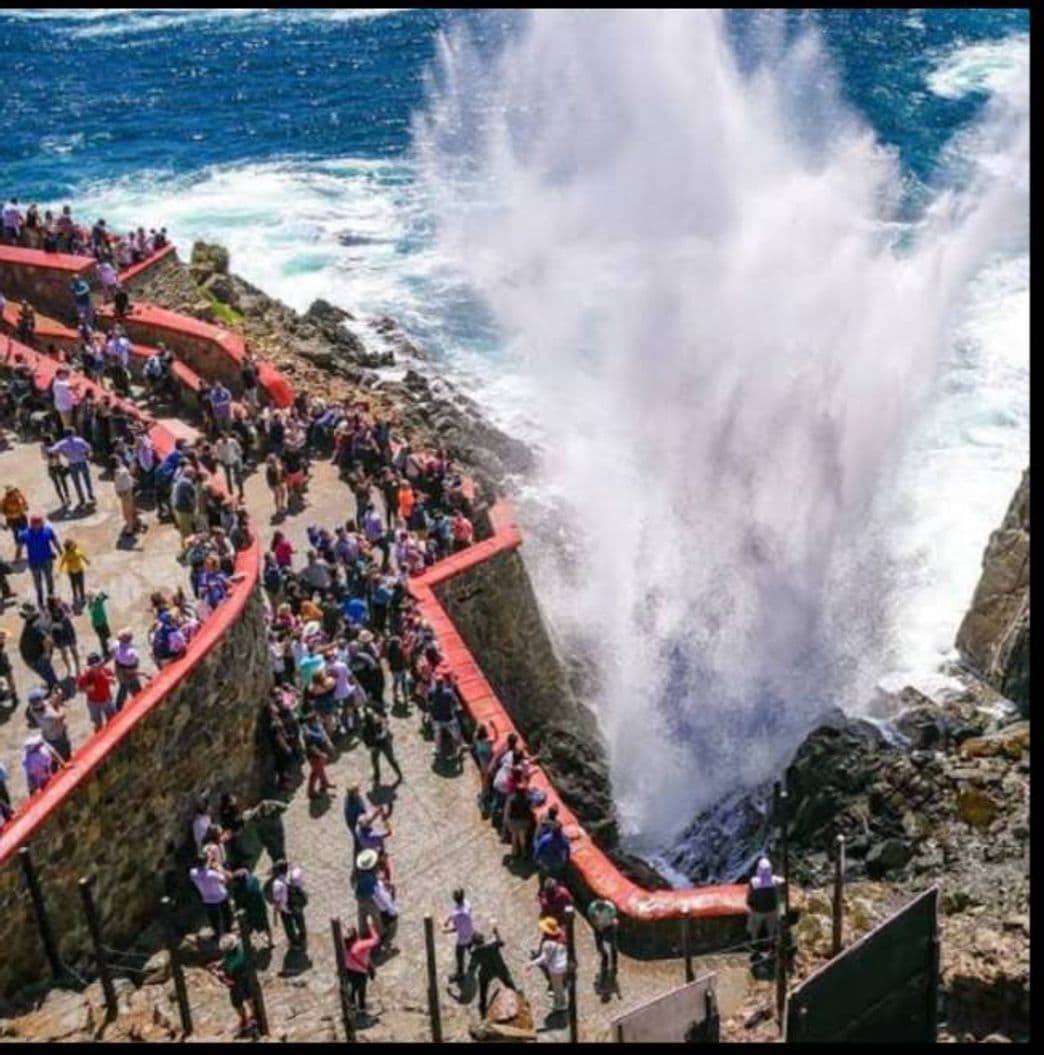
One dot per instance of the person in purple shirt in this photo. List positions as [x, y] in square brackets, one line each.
[221, 404]
[76, 451]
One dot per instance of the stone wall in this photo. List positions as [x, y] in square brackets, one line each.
[495, 610]
[994, 636]
[138, 798]
[44, 285]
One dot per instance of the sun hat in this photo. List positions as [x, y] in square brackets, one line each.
[366, 861]
[549, 926]
[93, 659]
[37, 694]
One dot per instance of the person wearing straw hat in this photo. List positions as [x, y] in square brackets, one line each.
[553, 956]
[365, 889]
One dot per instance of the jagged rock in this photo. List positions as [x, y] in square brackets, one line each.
[994, 636]
[977, 807]
[209, 257]
[1011, 741]
[323, 311]
[889, 856]
[508, 1017]
[222, 287]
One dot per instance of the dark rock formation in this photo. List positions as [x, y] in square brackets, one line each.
[994, 636]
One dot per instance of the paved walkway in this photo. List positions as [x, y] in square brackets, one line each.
[127, 572]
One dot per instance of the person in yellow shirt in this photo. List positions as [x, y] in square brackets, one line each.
[15, 509]
[74, 561]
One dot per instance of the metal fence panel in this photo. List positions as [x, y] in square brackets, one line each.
[686, 1013]
[883, 988]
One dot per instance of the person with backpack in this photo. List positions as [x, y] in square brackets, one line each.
[232, 973]
[290, 899]
[365, 889]
[763, 901]
[36, 644]
[184, 498]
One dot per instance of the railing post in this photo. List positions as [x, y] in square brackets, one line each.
[40, 910]
[176, 970]
[342, 980]
[574, 1029]
[91, 912]
[839, 895]
[690, 974]
[433, 981]
[713, 1021]
[781, 971]
[784, 806]
[260, 1015]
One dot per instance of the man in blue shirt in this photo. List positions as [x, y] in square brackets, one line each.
[76, 450]
[221, 403]
[41, 547]
[165, 478]
[551, 851]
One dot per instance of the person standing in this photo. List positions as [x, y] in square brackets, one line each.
[123, 485]
[357, 951]
[15, 508]
[100, 619]
[553, 956]
[127, 667]
[763, 901]
[212, 883]
[76, 450]
[96, 683]
[73, 561]
[39, 761]
[460, 922]
[486, 955]
[184, 499]
[230, 455]
[232, 973]
[7, 682]
[290, 899]
[354, 810]
[36, 644]
[377, 736]
[41, 547]
[47, 713]
[366, 880]
[606, 926]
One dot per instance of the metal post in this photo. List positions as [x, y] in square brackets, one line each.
[260, 1015]
[712, 1023]
[690, 974]
[176, 970]
[94, 927]
[784, 819]
[574, 1028]
[342, 980]
[839, 892]
[40, 910]
[781, 970]
[932, 1024]
[433, 981]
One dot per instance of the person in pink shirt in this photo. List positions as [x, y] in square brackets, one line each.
[283, 549]
[357, 964]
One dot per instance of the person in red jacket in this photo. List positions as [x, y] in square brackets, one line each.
[554, 899]
[357, 964]
[96, 682]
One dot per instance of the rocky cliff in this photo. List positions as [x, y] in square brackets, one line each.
[994, 636]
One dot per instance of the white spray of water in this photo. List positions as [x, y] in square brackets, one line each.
[706, 278]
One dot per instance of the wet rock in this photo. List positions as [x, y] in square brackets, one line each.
[221, 287]
[1011, 741]
[209, 258]
[889, 856]
[322, 311]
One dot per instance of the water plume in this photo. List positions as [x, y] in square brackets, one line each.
[707, 275]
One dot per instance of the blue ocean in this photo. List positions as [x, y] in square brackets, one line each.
[557, 205]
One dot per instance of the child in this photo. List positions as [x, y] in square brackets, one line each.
[96, 681]
[100, 620]
[74, 561]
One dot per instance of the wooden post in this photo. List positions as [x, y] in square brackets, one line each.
[712, 1024]
[781, 970]
[176, 970]
[690, 974]
[574, 1027]
[433, 981]
[94, 927]
[839, 894]
[43, 924]
[783, 806]
[258, 997]
[342, 980]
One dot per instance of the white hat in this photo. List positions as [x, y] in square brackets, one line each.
[366, 860]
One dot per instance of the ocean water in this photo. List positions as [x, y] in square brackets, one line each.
[440, 166]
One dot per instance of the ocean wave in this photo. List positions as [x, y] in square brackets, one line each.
[997, 67]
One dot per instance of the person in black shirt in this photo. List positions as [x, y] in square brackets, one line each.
[487, 957]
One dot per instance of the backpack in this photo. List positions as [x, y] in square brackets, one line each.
[297, 898]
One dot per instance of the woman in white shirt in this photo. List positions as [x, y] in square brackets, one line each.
[553, 956]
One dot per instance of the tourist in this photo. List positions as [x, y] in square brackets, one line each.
[211, 882]
[282, 549]
[551, 851]
[76, 450]
[26, 323]
[57, 470]
[554, 899]
[250, 899]
[6, 593]
[486, 955]
[36, 645]
[63, 393]
[46, 712]
[15, 508]
[460, 922]
[553, 957]
[359, 969]
[96, 684]
[81, 293]
[41, 547]
[127, 666]
[378, 737]
[123, 484]
[109, 278]
[63, 634]
[100, 619]
[365, 887]
[354, 809]
[39, 762]
[763, 902]
[201, 822]
[518, 816]
[73, 561]
[233, 974]
[184, 500]
[289, 898]
[229, 454]
[12, 222]
[318, 750]
[606, 929]
[7, 682]
[220, 399]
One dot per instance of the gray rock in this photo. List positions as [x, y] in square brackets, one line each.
[889, 856]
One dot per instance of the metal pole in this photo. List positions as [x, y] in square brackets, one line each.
[932, 1025]
[690, 974]
[781, 971]
[433, 981]
[713, 1020]
[574, 1028]
[784, 805]
[260, 1015]
[176, 970]
[342, 980]
[40, 910]
[839, 892]
[91, 912]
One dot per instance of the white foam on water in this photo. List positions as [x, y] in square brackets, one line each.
[740, 368]
[996, 66]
